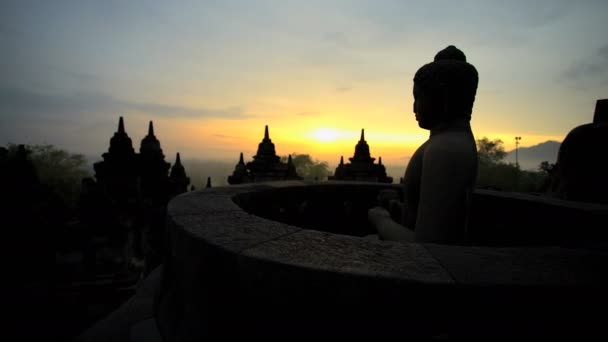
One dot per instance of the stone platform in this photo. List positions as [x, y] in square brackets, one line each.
[242, 265]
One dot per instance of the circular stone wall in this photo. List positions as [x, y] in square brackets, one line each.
[233, 273]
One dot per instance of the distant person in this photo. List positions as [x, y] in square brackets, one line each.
[441, 174]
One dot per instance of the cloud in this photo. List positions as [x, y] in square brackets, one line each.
[7, 30]
[186, 112]
[595, 66]
[338, 39]
[344, 89]
[603, 52]
[16, 102]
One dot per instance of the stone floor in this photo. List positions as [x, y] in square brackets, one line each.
[134, 320]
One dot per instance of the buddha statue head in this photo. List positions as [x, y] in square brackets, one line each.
[444, 90]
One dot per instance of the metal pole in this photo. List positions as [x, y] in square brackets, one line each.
[517, 139]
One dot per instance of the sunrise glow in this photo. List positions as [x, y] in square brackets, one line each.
[325, 135]
[211, 77]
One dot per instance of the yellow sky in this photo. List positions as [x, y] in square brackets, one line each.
[391, 135]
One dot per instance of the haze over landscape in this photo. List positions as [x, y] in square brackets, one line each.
[211, 74]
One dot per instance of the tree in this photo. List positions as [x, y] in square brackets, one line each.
[61, 170]
[490, 151]
[546, 167]
[308, 168]
[494, 173]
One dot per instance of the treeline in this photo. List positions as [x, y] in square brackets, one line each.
[60, 170]
[495, 173]
[63, 171]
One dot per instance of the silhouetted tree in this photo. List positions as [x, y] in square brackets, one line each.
[58, 169]
[494, 173]
[546, 167]
[307, 167]
[490, 151]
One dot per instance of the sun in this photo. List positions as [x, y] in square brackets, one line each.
[325, 134]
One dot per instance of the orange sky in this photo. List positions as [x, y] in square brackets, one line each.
[392, 135]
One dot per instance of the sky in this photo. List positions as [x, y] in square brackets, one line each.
[212, 74]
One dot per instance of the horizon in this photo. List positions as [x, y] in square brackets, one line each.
[212, 75]
[97, 156]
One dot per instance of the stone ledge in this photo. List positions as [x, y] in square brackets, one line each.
[229, 268]
[351, 255]
[120, 324]
[545, 266]
[232, 230]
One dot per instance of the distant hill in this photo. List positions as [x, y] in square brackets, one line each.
[531, 157]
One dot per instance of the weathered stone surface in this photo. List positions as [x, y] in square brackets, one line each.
[313, 283]
[523, 291]
[584, 206]
[234, 230]
[145, 331]
[512, 219]
[231, 190]
[522, 266]
[288, 184]
[193, 203]
[229, 268]
[118, 325]
[347, 254]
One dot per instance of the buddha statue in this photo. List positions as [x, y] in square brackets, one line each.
[441, 174]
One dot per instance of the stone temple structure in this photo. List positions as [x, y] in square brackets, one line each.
[128, 200]
[125, 175]
[582, 168]
[265, 166]
[177, 179]
[117, 174]
[361, 166]
[240, 174]
[153, 169]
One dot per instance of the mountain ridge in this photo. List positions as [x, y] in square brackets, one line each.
[530, 157]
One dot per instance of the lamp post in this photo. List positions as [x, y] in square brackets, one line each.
[517, 139]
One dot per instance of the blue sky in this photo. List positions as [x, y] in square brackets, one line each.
[211, 74]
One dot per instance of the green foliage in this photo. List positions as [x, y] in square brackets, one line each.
[308, 168]
[546, 167]
[493, 173]
[61, 170]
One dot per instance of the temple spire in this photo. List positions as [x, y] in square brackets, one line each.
[341, 160]
[121, 125]
[362, 134]
[178, 178]
[241, 161]
[208, 182]
[379, 160]
[151, 129]
[266, 135]
[289, 161]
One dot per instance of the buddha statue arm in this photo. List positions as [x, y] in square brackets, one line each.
[387, 228]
